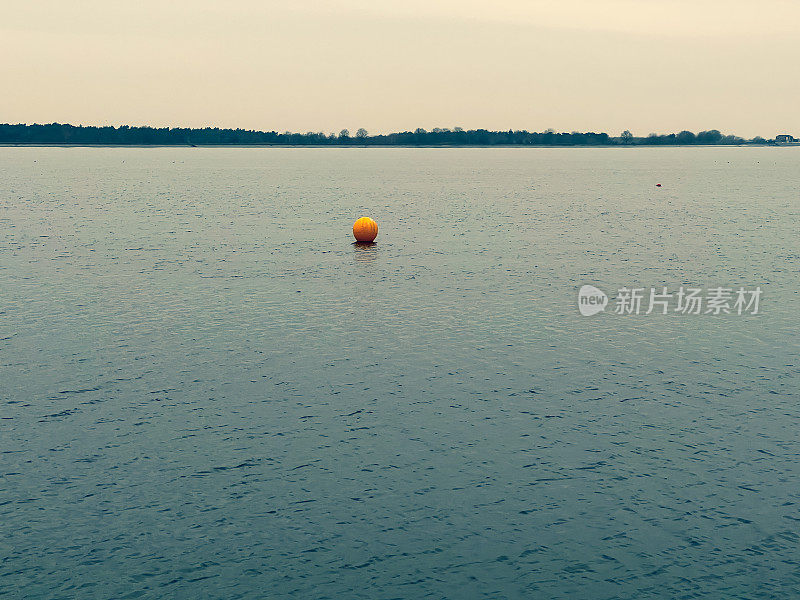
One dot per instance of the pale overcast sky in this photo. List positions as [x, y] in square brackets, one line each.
[386, 65]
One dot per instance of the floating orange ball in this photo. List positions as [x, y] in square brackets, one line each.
[365, 229]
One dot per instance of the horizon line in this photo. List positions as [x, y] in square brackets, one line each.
[68, 134]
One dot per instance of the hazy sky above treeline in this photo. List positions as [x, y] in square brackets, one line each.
[393, 65]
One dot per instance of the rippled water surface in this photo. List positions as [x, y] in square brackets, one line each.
[207, 391]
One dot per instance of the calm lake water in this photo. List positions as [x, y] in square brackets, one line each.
[207, 391]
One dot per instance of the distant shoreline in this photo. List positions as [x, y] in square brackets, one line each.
[389, 146]
[66, 135]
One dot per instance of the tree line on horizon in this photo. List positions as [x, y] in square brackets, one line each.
[57, 133]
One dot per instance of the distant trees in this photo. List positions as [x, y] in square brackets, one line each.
[709, 137]
[712, 136]
[57, 133]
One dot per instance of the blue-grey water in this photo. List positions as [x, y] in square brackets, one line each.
[206, 391]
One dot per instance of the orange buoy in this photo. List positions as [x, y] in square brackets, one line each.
[365, 229]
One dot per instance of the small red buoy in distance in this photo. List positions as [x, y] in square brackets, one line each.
[658, 185]
[365, 230]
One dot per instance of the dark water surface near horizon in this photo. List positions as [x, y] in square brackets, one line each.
[206, 391]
